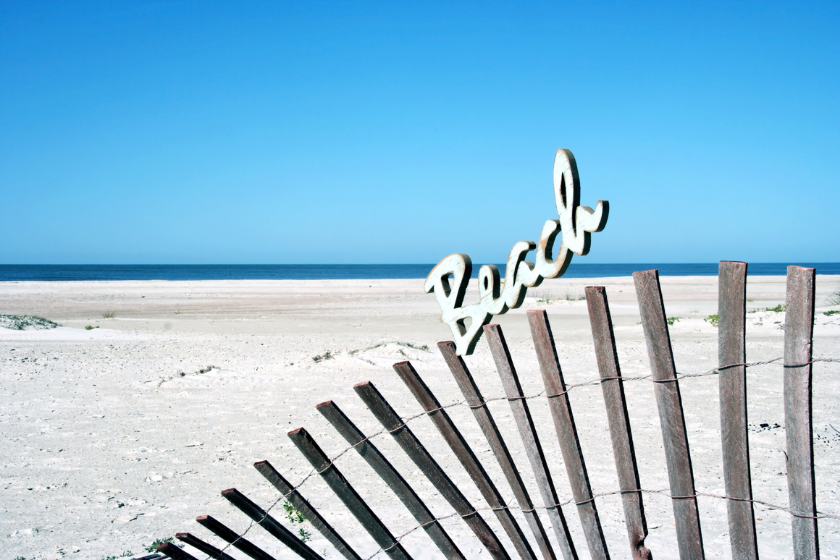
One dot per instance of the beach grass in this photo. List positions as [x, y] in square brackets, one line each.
[328, 355]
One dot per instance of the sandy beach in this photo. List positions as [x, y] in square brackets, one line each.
[121, 434]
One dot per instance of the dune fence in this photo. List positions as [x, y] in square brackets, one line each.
[531, 540]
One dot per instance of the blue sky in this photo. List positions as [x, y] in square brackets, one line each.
[199, 132]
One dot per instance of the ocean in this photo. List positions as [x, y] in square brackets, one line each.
[66, 273]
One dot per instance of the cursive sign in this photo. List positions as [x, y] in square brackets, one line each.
[449, 278]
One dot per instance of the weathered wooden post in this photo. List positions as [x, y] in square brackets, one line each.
[347, 494]
[732, 318]
[463, 451]
[232, 538]
[204, 547]
[564, 423]
[271, 525]
[799, 333]
[669, 402]
[371, 454]
[482, 414]
[302, 505]
[392, 422]
[619, 421]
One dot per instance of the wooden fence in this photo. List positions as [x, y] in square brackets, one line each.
[797, 362]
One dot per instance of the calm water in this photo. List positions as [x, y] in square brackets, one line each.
[17, 273]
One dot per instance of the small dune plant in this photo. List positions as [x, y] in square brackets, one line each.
[125, 554]
[294, 516]
[542, 296]
[325, 356]
[422, 347]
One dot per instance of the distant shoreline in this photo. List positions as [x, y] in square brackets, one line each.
[75, 273]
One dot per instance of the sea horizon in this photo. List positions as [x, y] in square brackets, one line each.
[181, 272]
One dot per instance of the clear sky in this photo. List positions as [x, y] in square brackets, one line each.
[279, 132]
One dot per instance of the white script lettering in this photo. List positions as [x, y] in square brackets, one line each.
[449, 278]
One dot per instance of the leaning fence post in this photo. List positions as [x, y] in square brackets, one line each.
[564, 423]
[799, 331]
[409, 443]
[346, 493]
[204, 547]
[231, 537]
[271, 525]
[386, 471]
[300, 503]
[172, 551]
[466, 457]
[669, 402]
[619, 421]
[732, 318]
[482, 414]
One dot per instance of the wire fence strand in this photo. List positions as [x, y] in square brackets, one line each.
[664, 491]
[568, 387]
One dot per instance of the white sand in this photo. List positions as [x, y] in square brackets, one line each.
[105, 446]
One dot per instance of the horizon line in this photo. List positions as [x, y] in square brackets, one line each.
[400, 264]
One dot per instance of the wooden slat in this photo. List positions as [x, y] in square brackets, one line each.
[799, 332]
[669, 402]
[466, 456]
[174, 552]
[204, 547]
[371, 454]
[732, 383]
[409, 443]
[271, 525]
[310, 513]
[564, 423]
[530, 440]
[229, 536]
[619, 421]
[347, 494]
[482, 414]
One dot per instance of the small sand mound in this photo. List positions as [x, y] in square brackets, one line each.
[23, 322]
